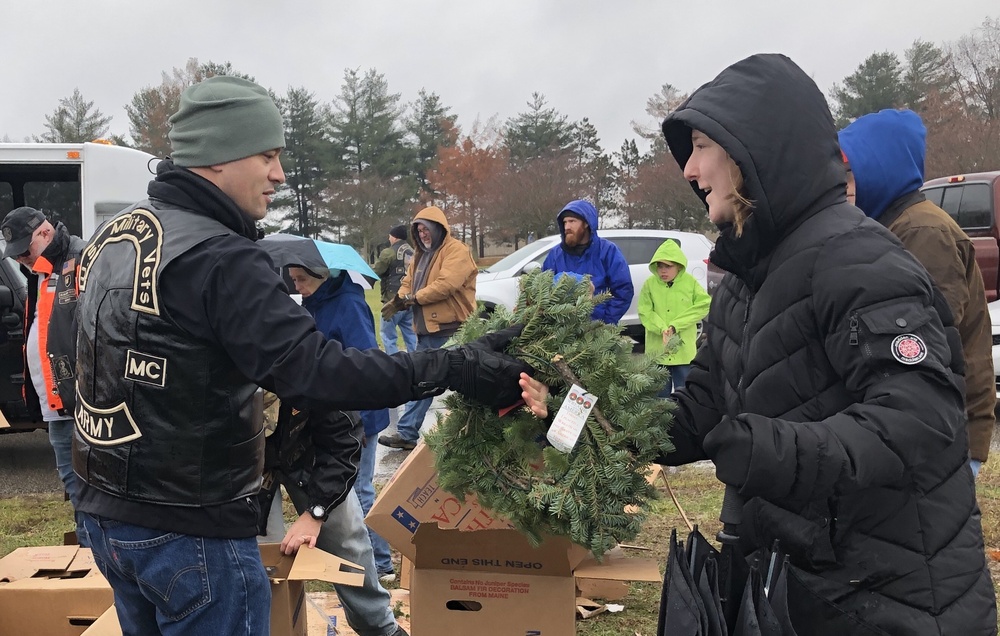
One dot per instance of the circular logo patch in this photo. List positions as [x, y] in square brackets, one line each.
[908, 349]
[7, 235]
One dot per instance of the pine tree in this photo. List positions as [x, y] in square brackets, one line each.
[596, 170]
[75, 120]
[877, 83]
[307, 160]
[588, 494]
[432, 128]
[538, 132]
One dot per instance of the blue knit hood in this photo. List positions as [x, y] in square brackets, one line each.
[886, 152]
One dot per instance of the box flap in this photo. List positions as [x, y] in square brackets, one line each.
[503, 551]
[619, 569]
[413, 497]
[27, 562]
[313, 564]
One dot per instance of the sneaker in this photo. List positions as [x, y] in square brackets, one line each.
[387, 577]
[400, 631]
[395, 441]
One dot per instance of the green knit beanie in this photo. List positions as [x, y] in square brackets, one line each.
[224, 119]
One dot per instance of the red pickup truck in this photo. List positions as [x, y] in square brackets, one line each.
[973, 200]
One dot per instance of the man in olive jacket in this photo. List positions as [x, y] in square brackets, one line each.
[886, 155]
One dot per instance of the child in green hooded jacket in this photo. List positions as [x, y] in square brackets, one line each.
[671, 303]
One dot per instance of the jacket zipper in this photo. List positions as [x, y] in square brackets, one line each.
[855, 341]
[743, 351]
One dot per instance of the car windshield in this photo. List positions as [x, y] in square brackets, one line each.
[511, 260]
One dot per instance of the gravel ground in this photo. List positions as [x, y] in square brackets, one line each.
[27, 464]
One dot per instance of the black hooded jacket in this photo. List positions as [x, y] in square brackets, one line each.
[829, 389]
[224, 295]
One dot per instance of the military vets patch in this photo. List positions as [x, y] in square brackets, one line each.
[908, 349]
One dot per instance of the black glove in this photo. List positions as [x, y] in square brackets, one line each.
[484, 375]
[478, 370]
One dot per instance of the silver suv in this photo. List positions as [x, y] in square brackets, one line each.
[497, 284]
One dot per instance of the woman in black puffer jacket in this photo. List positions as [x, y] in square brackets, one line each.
[829, 391]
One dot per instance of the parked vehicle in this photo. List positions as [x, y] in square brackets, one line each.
[81, 185]
[498, 283]
[973, 200]
[994, 308]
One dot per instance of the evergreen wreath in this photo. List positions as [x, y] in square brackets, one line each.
[597, 494]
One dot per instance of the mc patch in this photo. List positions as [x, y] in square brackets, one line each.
[142, 367]
[908, 349]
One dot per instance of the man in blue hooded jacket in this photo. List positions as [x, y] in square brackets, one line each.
[582, 251]
[885, 151]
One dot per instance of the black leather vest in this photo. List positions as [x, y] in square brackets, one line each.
[160, 417]
[393, 276]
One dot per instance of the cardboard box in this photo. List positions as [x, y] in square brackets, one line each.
[473, 572]
[413, 497]
[288, 593]
[466, 581]
[51, 590]
[405, 573]
[106, 625]
[609, 579]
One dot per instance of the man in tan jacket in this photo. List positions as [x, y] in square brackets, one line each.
[440, 286]
[886, 155]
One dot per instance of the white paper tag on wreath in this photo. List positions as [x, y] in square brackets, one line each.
[569, 420]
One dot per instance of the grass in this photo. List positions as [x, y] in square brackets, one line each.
[42, 519]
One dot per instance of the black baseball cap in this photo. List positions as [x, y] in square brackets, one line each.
[18, 227]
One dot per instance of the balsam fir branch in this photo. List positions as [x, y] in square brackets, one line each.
[507, 462]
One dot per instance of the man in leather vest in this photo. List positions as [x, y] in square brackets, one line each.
[391, 267]
[182, 316]
[48, 255]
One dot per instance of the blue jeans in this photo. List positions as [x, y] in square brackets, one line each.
[61, 439]
[678, 378]
[344, 534]
[366, 494]
[403, 320]
[413, 416]
[177, 584]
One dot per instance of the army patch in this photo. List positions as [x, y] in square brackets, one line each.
[105, 427]
[908, 349]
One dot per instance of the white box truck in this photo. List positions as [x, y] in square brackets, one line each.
[81, 185]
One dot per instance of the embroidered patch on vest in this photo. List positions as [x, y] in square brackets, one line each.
[143, 230]
[105, 427]
[142, 367]
[62, 369]
[908, 349]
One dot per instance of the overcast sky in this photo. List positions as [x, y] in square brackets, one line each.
[596, 59]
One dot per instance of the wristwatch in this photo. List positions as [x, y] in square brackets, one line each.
[318, 512]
